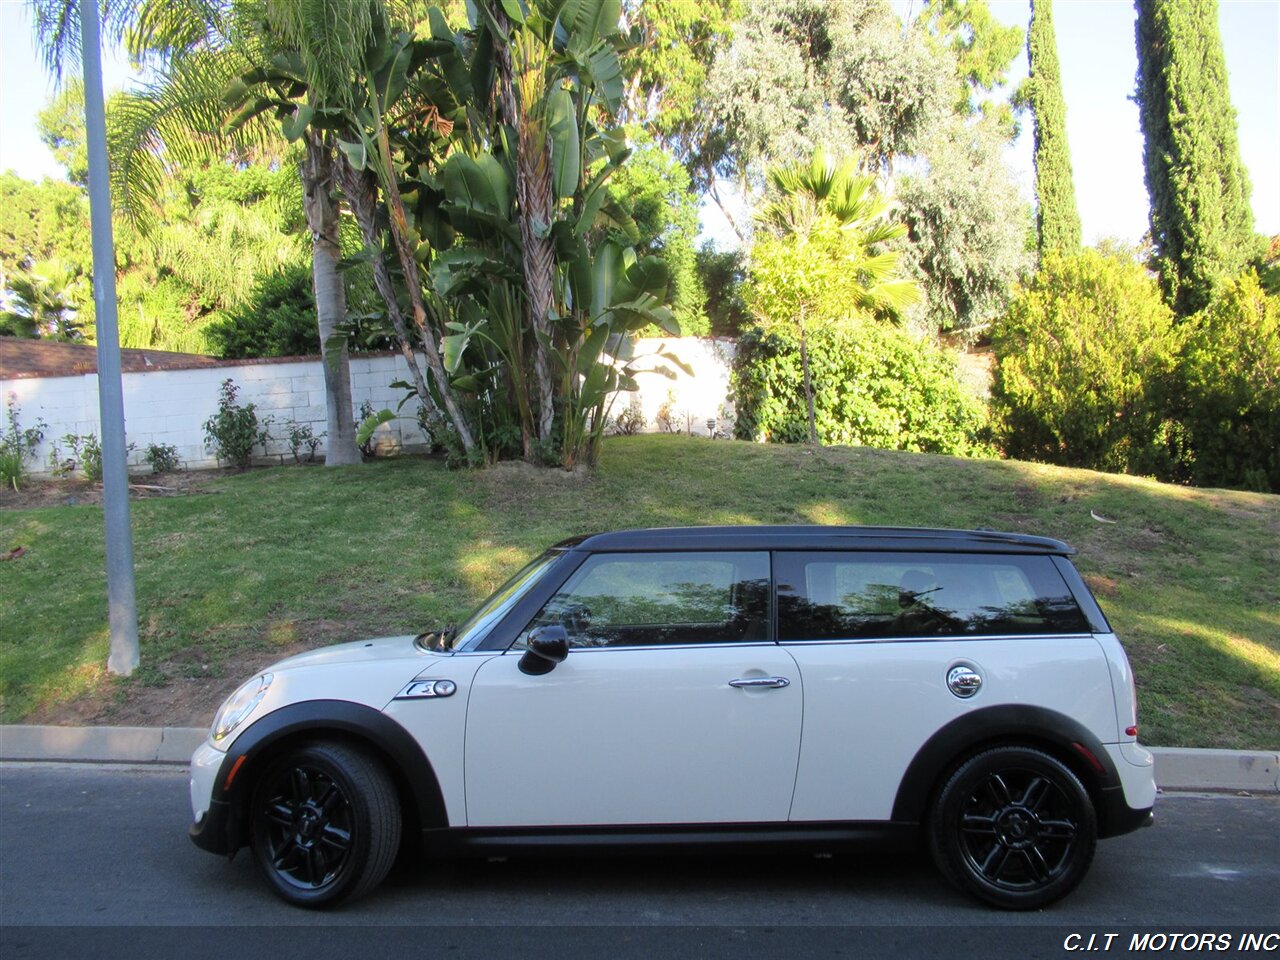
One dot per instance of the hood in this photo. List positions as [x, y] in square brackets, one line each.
[359, 651]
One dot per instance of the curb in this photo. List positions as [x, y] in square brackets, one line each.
[1251, 771]
[1176, 768]
[101, 744]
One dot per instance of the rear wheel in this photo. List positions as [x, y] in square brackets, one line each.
[325, 824]
[1014, 827]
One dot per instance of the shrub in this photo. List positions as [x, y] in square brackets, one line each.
[87, 453]
[301, 435]
[629, 421]
[17, 445]
[279, 320]
[233, 432]
[163, 457]
[874, 386]
[1231, 383]
[86, 456]
[1085, 362]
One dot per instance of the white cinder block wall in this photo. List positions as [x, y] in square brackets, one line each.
[171, 406]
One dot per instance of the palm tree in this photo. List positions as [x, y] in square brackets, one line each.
[43, 303]
[804, 192]
[196, 49]
[827, 225]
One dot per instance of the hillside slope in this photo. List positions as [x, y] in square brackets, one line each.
[273, 561]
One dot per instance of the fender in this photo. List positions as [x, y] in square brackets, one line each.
[313, 719]
[1010, 723]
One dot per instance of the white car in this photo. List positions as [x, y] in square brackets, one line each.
[795, 686]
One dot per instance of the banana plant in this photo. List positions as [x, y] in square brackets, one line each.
[379, 77]
[529, 199]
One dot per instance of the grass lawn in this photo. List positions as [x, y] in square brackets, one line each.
[277, 560]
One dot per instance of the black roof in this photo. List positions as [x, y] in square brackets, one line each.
[812, 537]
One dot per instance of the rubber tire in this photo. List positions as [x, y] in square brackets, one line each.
[944, 826]
[375, 820]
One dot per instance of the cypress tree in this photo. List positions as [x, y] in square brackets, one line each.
[1201, 222]
[1057, 222]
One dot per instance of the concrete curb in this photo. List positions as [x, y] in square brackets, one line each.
[1176, 768]
[101, 744]
[1254, 771]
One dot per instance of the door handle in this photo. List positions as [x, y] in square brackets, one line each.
[759, 682]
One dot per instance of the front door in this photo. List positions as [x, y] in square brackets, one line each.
[673, 705]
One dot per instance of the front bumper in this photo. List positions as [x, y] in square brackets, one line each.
[215, 828]
[212, 828]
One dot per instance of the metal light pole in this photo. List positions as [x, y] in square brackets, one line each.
[122, 606]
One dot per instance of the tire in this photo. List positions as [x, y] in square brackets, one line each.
[1014, 827]
[325, 825]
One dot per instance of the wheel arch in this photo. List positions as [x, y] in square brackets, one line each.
[422, 802]
[1056, 734]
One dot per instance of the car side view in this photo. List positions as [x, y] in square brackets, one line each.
[796, 686]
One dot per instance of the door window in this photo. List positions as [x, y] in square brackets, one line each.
[649, 599]
[838, 596]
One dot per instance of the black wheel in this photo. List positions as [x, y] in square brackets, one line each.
[325, 824]
[1014, 827]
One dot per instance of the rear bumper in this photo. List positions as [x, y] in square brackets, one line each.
[1116, 817]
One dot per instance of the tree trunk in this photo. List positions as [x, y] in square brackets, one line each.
[808, 381]
[715, 195]
[331, 299]
[535, 194]
[360, 188]
[409, 265]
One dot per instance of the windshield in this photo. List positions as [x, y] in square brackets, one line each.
[503, 599]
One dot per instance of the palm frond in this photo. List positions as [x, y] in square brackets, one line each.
[146, 28]
[332, 36]
[178, 120]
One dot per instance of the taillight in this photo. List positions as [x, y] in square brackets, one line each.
[1131, 731]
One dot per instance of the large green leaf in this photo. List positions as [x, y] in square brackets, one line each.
[453, 347]
[606, 272]
[480, 183]
[649, 276]
[606, 75]
[595, 19]
[391, 79]
[513, 10]
[589, 352]
[371, 423]
[566, 156]
[635, 314]
[357, 153]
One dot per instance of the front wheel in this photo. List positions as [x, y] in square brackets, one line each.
[325, 824]
[1014, 827]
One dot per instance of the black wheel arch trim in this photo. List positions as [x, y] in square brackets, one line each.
[312, 720]
[1006, 724]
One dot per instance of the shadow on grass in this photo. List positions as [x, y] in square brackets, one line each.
[283, 559]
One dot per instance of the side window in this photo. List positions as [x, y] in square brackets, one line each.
[649, 599]
[851, 596]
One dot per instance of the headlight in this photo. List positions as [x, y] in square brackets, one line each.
[238, 706]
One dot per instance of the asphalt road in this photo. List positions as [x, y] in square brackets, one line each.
[94, 862]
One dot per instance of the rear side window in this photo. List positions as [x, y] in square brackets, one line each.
[651, 599]
[855, 596]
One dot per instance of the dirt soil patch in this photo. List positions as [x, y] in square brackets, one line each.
[175, 702]
[75, 492]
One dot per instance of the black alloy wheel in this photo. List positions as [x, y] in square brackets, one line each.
[1014, 827]
[325, 824]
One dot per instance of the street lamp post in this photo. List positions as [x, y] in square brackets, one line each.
[122, 610]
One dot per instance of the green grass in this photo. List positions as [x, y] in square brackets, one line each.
[280, 559]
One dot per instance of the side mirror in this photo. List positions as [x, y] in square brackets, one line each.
[548, 646]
